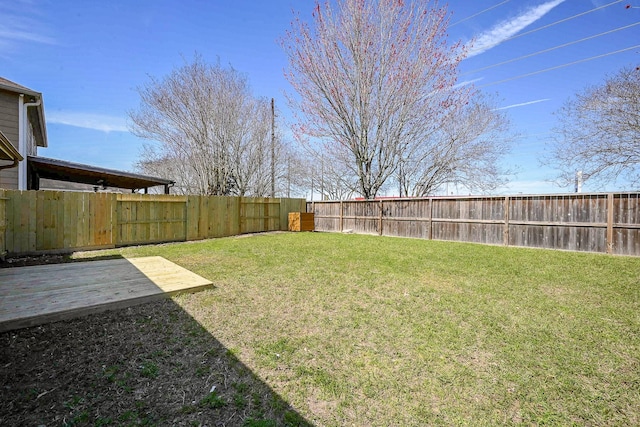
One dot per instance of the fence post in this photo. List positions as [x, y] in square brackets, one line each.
[505, 233]
[115, 211]
[380, 219]
[240, 214]
[430, 230]
[281, 211]
[610, 223]
[341, 216]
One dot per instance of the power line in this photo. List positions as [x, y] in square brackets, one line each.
[561, 21]
[549, 50]
[479, 13]
[560, 66]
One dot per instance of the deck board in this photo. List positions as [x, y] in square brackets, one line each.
[45, 293]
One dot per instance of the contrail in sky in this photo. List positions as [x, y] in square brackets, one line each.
[523, 104]
[508, 28]
[89, 121]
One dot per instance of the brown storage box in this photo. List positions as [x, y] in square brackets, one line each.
[300, 221]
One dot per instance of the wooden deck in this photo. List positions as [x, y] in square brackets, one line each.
[45, 293]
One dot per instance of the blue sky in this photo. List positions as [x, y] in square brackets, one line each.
[88, 57]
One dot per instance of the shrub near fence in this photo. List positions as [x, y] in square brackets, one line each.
[578, 222]
[43, 221]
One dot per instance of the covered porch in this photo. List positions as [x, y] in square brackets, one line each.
[100, 178]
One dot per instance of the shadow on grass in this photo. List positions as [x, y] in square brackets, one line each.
[151, 364]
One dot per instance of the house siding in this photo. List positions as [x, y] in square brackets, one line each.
[9, 126]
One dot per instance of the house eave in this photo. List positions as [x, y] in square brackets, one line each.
[32, 96]
[41, 136]
[16, 88]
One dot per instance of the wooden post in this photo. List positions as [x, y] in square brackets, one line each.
[265, 214]
[380, 219]
[341, 216]
[115, 210]
[505, 233]
[430, 230]
[240, 214]
[610, 223]
[282, 210]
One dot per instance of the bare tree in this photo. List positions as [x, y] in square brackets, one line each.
[154, 162]
[599, 132]
[213, 134]
[465, 149]
[305, 172]
[374, 80]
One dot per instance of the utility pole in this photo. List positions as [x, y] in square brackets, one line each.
[273, 149]
[578, 185]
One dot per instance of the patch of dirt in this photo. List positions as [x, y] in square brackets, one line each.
[53, 258]
[23, 261]
[152, 364]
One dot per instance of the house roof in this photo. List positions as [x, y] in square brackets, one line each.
[62, 170]
[36, 117]
[7, 150]
[15, 87]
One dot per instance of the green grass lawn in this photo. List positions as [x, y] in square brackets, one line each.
[365, 330]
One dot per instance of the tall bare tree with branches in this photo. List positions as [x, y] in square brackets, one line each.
[374, 79]
[599, 132]
[465, 149]
[213, 136]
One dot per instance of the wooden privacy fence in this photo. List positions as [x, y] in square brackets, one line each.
[597, 222]
[41, 221]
